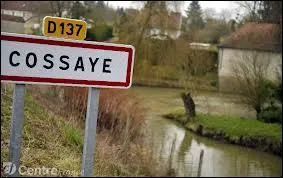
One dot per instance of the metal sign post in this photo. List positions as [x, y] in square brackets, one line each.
[70, 63]
[90, 132]
[16, 128]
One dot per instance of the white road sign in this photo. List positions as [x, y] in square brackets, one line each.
[47, 60]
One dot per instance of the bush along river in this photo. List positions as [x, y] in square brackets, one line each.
[179, 149]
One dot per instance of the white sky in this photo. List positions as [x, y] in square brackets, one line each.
[217, 5]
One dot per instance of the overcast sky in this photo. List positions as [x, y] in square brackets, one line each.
[217, 5]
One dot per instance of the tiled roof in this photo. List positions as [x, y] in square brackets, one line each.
[261, 36]
[12, 18]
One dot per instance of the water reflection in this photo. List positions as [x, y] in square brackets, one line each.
[180, 149]
[219, 159]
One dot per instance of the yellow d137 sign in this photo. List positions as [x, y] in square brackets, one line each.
[64, 28]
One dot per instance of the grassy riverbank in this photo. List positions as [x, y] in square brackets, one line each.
[246, 132]
[51, 140]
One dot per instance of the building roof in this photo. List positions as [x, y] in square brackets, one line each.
[12, 18]
[259, 36]
[19, 5]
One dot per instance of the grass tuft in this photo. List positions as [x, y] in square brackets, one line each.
[73, 136]
[236, 130]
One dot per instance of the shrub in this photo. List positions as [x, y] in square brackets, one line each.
[90, 35]
[272, 107]
[251, 70]
[271, 116]
[278, 92]
[120, 111]
[199, 62]
[73, 136]
[214, 83]
[101, 32]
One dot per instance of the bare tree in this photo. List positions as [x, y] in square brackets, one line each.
[225, 15]
[149, 6]
[194, 64]
[250, 9]
[252, 70]
[209, 13]
[139, 30]
[175, 5]
[261, 11]
[58, 7]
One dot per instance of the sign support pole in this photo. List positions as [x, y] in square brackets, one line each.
[90, 132]
[119, 77]
[16, 128]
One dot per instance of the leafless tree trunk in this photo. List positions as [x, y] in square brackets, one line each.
[145, 25]
[251, 72]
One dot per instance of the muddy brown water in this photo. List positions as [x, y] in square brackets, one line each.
[180, 149]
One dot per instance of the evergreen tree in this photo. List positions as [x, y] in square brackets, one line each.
[194, 14]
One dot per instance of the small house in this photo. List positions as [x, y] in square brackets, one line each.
[18, 16]
[12, 24]
[167, 26]
[253, 40]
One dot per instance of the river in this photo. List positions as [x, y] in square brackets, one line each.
[180, 149]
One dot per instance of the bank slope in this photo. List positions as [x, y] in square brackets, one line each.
[246, 132]
[48, 140]
[53, 141]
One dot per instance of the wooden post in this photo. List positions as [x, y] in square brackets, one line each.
[200, 163]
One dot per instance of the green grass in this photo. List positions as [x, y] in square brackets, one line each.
[73, 136]
[232, 127]
[177, 115]
[44, 143]
[50, 140]
[237, 127]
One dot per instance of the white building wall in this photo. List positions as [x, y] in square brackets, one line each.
[228, 56]
[174, 34]
[12, 27]
[25, 14]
